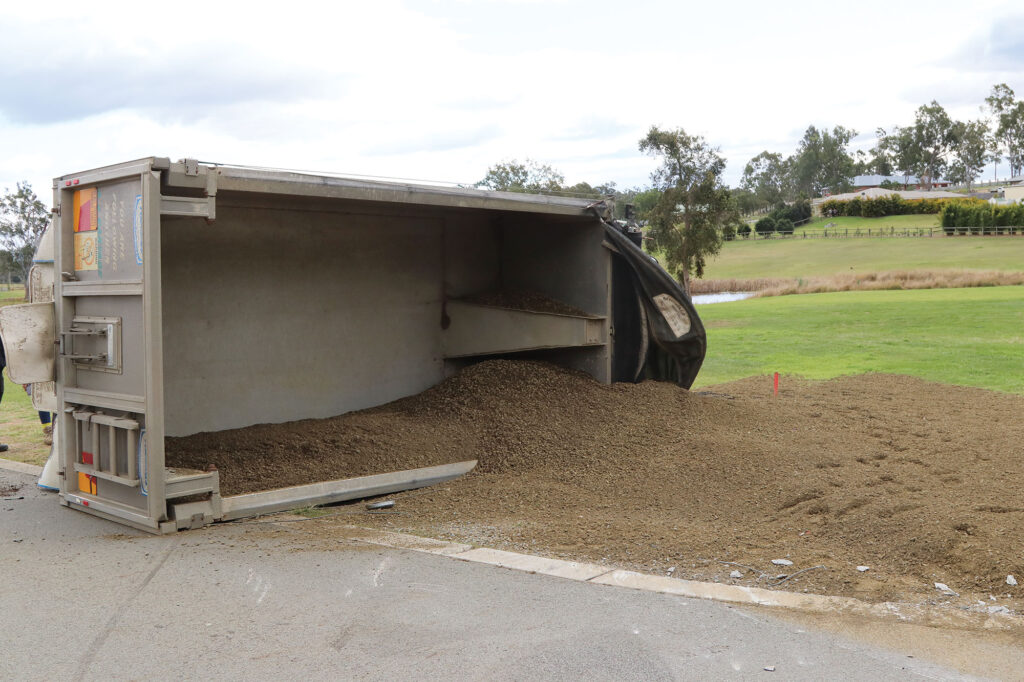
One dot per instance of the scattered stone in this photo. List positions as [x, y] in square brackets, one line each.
[782, 562]
[1010, 580]
[735, 574]
[863, 568]
[998, 609]
[944, 588]
[18, 539]
[383, 504]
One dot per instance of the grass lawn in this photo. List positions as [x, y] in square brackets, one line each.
[970, 337]
[794, 258]
[900, 222]
[19, 422]
[19, 426]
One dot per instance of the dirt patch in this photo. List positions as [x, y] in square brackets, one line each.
[917, 480]
[9, 489]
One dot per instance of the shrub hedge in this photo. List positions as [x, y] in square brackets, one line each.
[982, 218]
[892, 204]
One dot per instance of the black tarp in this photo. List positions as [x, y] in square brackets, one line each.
[661, 336]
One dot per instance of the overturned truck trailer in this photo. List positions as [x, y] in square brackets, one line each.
[192, 297]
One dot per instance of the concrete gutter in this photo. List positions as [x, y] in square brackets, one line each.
[921, 614]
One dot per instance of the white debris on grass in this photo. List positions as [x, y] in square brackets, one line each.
[782, 562]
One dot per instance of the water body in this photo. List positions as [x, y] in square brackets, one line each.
[724, 297]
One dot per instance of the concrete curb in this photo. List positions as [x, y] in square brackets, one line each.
[21, 467]
[921, 614]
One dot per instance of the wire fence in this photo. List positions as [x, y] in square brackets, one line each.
[894, 232]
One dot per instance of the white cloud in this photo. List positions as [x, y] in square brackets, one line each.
[442, 90]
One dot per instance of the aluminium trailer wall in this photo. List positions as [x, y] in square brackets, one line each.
[197, 298]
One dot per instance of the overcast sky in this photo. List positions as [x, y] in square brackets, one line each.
[442, 90]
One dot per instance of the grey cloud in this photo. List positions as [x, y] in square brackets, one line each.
[186, 86]
[1001, 49]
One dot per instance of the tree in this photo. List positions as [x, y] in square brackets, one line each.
[822, 162]
[1008, 118]
[901, 149]
[881, 159]
[526, 176]
[767, 177]
[932, 138]
[687, 219]
[23, 219]
[970, 151]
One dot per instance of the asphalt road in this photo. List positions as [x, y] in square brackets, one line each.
[83, 598]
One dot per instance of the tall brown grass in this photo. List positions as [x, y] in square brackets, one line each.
[893, 279]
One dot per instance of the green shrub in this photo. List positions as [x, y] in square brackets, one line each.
[765, 226]
[784, 226]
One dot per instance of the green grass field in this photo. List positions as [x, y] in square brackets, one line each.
[794, 258]
[900, 222]
[19, 422]
[970, 337]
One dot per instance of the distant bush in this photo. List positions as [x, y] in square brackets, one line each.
[982, 218]
[784, 226]
[743, 231]
[892, 204]
[796, 212]
[765, 226]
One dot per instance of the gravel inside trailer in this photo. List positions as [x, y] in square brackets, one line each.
[918, 481]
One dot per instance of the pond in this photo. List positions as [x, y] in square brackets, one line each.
[724, 297]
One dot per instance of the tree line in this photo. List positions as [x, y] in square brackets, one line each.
[933, 146]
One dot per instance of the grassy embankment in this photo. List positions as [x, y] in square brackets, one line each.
[795, 265]
[969, 337]
[19, 422]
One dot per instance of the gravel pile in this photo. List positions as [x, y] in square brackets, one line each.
[920, 481]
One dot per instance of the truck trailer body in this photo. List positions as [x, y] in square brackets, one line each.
[190, 297]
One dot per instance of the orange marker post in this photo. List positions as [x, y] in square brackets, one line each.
[775, 386]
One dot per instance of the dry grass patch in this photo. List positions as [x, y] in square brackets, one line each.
[871, 281]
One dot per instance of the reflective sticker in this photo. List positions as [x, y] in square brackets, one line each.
[674, 313]
[86, 483]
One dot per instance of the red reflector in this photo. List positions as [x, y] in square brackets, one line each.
[67, 183]
[75, 181]
[85, 503]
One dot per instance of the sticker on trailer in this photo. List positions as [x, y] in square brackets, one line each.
[87, 210]
[137, 229]
[87, 230]
[674, 313]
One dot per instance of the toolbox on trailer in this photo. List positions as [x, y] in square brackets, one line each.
[192, 297]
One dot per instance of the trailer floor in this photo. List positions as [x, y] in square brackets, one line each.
[917, 480]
